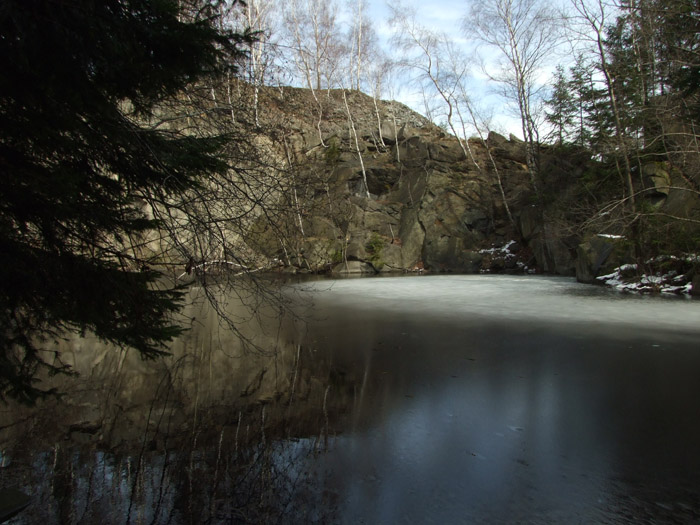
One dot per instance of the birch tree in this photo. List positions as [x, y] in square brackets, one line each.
[313, 34]
[464, 104]
[260, 17]
[423, 51]
[315, 38]
[525, 34]
[590, 21]
[378, 76]
[363, 47]
[439, 61]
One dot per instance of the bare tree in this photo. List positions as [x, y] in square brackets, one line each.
[526, 34]
[378, 74]
[363, 47]
[314, 35]
[424, 51]
[261, 18]
[358, 26]
[589, 23]
[439, 61]
[354, 137]
[479, 124]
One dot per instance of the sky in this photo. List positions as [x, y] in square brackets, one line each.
[441, 16]
[446, 16]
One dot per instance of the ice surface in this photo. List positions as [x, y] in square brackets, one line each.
[522, 298]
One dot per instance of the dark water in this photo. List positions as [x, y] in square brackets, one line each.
[512, 400]
[436, 399]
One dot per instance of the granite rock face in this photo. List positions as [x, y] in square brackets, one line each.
[600, 255]
[414, 194]
[381, 189]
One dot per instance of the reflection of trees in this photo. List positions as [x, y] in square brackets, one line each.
[236, 473]
[204, 436]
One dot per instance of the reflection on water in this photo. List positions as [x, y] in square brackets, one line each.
[512, 399]
[448, 399]
[213, 433]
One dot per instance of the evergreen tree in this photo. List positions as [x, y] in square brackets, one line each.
[561, 107]
[587, 101]
[678, 45]
[632, 75]
[77, 159]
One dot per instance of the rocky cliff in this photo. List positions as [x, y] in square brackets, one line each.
[382, 189]
[371, 186]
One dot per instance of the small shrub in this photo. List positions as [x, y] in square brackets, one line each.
[374, 247]
[337, 256]
[332, 152]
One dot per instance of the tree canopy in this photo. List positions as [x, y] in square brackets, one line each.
[78, 160]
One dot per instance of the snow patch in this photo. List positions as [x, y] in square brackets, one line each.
[509, 255]
[627, 279]
[502, 250]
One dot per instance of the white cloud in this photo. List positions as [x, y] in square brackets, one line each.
[446, 17]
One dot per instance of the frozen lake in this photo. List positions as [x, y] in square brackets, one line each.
[492, 399]
[421, 399]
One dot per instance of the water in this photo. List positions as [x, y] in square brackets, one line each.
[506, 399]
[432, 399]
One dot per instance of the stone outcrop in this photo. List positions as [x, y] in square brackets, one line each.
[600, 255]
[385, 190]
[663, 192]
[430, 205]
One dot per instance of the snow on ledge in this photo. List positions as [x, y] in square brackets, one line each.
[667, 283]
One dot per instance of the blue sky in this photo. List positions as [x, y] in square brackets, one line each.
[445, 16]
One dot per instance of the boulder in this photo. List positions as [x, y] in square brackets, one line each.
[353, 268]
[554, 250]
[495, 139]
[451, 214]
[440, 177]
[656, 178]
[390, 259]
[411, 236]
[470, 261]
[413, 151]
[345, 172]
[389, 132]
[446, 151]
[320, 227]
[503, 148]
[382, 223]
[476, 219]
[411, 187]
[263, 238]
[317, 253]
[356, 247]
[448, 253]
[695, 289]
[529, 222]
[681, 203]
[562, 257]
[600, 255]
[381, 180]
[407, 131]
